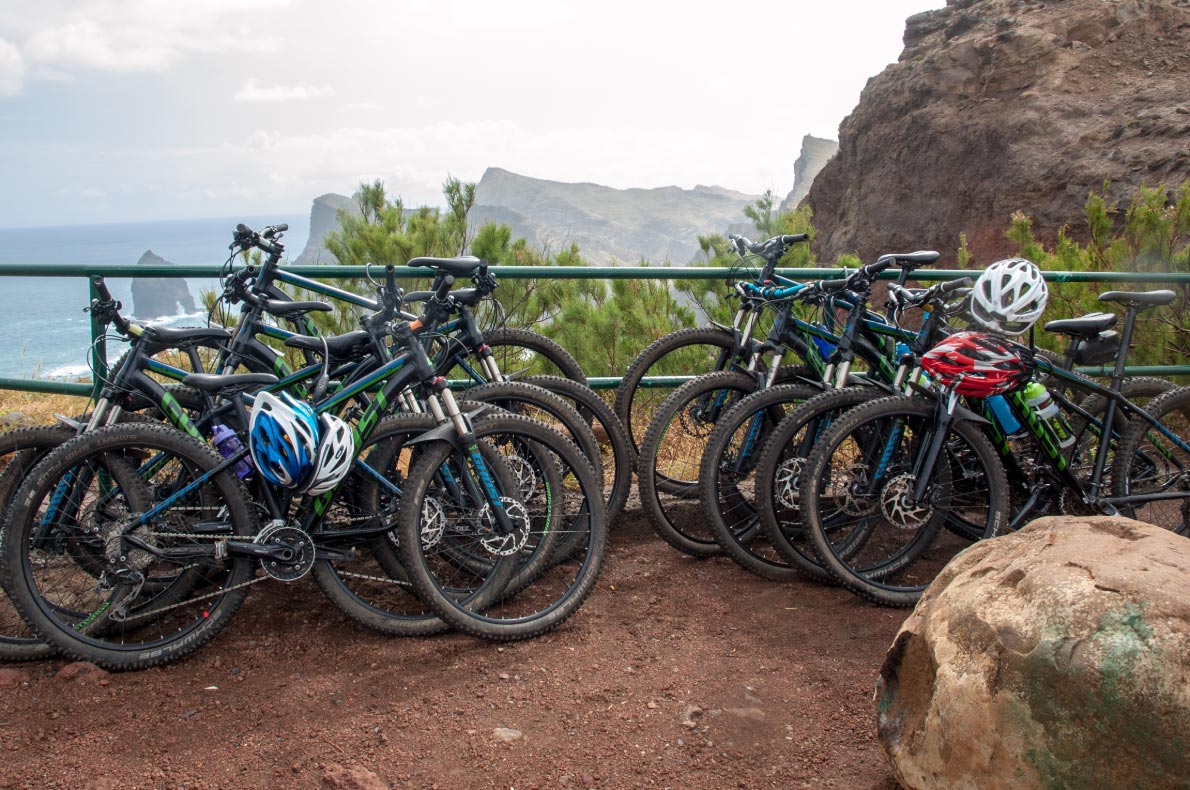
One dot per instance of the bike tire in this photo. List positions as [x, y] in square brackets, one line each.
[895, 564]
[156, 630]
[778, 474]
[518, 353]
[671, 453]
[688, 352]
[484, 608]
[728, 475]
[1148, 461]
[616, 454]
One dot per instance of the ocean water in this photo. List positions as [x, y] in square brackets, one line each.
[45, 331]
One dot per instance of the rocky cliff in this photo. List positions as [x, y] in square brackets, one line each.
[815, 153]
[323, 219]
[1002, 105]
[608, 224]
[157, 297]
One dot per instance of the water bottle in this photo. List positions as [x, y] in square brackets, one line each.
[1007, 421]
[1040, 400]
[228, 444]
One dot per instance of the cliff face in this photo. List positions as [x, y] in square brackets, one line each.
[814, 155]
[323, 219]
[608, 224]
[1003, 105]
[157, 297]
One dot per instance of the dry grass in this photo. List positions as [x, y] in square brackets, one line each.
[38, 408]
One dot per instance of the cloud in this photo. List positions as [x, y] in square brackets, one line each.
[362, 106]
[132, 36]
[12, 69]
[253, 91]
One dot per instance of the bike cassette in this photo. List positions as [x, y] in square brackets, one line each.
[299, 552]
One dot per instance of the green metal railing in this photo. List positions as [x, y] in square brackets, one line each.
[532, 272]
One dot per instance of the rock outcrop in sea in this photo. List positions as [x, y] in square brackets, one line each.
[158, 297]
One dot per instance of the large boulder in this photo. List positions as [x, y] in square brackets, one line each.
[1057, 656]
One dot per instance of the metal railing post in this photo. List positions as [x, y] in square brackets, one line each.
[98, 345]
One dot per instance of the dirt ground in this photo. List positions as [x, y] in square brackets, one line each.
[675, 673]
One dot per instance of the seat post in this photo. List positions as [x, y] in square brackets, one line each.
[1117, 378]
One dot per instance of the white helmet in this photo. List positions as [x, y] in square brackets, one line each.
[336, 453]
[1009, 296]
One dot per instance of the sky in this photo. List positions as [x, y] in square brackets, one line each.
[140, 110]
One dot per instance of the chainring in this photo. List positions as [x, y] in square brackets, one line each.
[300, 543]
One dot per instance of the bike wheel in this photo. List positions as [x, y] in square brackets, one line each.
[779, 469]
[20, 450]
[102, 583]
[672, 451]
[539, 404]
[467, 570]
[728, 474]
[1154, 459]
[373, 588]
[518, 353]
[859, 479]
[686, 352]
[615, 453]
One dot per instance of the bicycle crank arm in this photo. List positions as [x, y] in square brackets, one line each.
[335, 555]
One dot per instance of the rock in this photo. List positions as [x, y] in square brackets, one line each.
[15, 419]
[997, 106]
[751, 714]
[690, 716]
[814, 155]
[157, 297]
[1057, 656]
[324, 218]
[507, 734]
[80, 671]
[11, 678]
[351, 777]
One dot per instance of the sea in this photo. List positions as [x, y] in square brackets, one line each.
[46, 333]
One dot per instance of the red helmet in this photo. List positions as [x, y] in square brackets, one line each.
[983, 365]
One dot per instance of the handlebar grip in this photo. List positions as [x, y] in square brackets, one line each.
[390, 276]
[102, 289]
[242, 228]
[444, 287]
[954, 285]
[831, 286]
[794, 238]
[873, 269]
[273, 230]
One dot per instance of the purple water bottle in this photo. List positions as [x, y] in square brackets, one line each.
[228, 444]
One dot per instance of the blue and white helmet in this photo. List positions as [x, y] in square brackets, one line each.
[283, 438]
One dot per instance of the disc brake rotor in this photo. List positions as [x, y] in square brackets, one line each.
[896, 506]
[505, 544]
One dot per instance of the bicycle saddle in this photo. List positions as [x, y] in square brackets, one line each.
[1085, 326]
[227, 384]
[280, 308]
[459, 267]
[1139, 299]
[336, 345]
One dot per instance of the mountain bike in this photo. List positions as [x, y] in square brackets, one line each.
[912, 475]
[132, 545]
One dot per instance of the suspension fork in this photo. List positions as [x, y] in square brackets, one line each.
[925, 463]
[443, 403]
